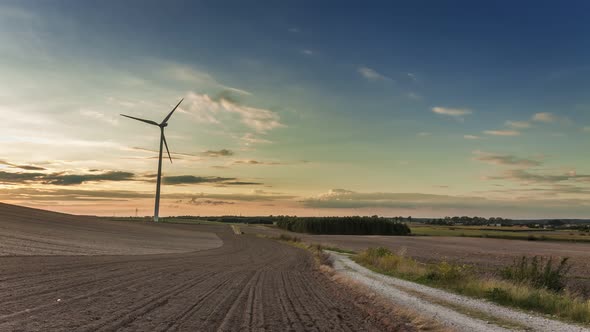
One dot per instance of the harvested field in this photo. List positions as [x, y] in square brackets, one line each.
[485, 253]
[248, 283]
[26, 231]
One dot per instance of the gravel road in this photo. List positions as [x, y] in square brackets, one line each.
[447, 308]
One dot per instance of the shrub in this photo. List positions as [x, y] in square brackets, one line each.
[444, 272]
[286, 237]
[538, 273]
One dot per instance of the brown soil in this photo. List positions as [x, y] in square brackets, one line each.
[486, 254]
[26, 231]
[248, 284]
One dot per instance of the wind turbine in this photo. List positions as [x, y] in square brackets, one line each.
[162, 125]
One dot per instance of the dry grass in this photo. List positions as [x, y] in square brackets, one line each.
[462, 280]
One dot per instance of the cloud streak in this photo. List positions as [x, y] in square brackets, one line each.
[454, 112]
[21, 166]
[505, 160]
[191, 179]
[502, 132]
[63, 179]
[371, 74]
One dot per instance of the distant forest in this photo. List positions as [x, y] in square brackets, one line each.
[345, 225]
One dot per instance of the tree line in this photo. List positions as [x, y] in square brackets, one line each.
[354, 225]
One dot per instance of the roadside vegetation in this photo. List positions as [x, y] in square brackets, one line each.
[345, 225]
[535, 283]
[321, 257]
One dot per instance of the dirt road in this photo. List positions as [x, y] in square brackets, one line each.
[247, 284]
[457, 312]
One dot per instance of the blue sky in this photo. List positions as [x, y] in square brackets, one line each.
[330, 108]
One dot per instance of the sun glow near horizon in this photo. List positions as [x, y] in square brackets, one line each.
[293, 115]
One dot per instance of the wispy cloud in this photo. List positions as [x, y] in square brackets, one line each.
[250, 139]
[256, 162]
[544, 117]
[423, 134]
[518, 124]
[218, 153]
[505, 160]
[186, 73]
[209, 110]
[371, 74]
[63, 179]
[472, 137]
[307, 52]
[203, 201]
[502, 132]
[22, 166]
[454, 112]
[414, 96]
[294, 30]
[99, 116]
[191, 179]
[530, 177]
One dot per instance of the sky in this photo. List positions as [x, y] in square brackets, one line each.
[422, 108]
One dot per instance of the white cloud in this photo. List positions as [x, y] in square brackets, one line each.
[185, 73]
[260, 119]
[208, 110]
[502, 132]
[412, 77]
[544, 117]
[307, 52]
[99, 116]
[456, 112]
[471, 137]
[250, 139]
[371, 74]
[518, 124]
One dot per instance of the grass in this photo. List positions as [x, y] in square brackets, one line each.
[525, 287]
[510, 233]
[321, 257]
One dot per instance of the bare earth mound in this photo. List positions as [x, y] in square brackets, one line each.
[247, 284]
[26, 231]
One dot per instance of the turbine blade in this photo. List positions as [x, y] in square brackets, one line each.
[170, 114]
[142, 120]
[166, 144]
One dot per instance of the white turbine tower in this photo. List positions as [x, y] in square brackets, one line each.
[162, 142]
